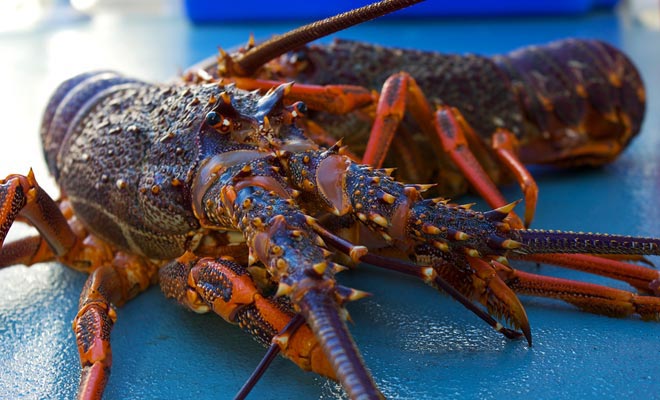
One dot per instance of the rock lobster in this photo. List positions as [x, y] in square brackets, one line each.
[251, 171]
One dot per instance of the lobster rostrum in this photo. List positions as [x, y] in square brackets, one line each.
[218, 194]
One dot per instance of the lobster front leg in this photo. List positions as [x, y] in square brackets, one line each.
[225, 287]
[114, 276]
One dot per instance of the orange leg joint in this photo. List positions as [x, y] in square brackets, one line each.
[224, 287]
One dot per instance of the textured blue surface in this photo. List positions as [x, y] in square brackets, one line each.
[419, 344]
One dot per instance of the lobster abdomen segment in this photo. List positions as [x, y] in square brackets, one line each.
[583, 100]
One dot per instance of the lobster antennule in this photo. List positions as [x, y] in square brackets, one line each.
[548, 241]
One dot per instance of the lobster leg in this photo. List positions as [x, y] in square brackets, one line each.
[455, 135]
[114, 278]
[21, 195]
[92, 327]
[401, 93]
[646, 280]
[454, 141]
[505, 146]
[336, 99]
[26, 251]
[587, 296]
[108, 286]
[225, 287]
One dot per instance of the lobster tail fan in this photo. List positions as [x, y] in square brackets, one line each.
[547, 241]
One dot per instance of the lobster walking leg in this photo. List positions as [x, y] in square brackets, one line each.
[27, 251]
[336, 99]
[454, 133]
[399, 94]
[92, 327]
[646, 280]
[505, 146]
[114, 278]
[21, 195]
[589, 297]
[225, 287]
[109, 285]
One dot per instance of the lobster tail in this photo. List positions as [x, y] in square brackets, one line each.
[547, 241]
[582, 100]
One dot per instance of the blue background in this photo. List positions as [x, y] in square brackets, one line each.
[418, 343]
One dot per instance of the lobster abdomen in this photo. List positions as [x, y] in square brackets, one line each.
[583, 101]
[571, 102]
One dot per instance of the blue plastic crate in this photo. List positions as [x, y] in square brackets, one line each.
[208, 11]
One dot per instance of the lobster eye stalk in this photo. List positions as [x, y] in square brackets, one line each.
[247, 63]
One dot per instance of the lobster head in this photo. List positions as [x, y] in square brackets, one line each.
[264, 121]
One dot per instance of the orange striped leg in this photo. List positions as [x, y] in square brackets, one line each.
[454, 132]
[505, 145]
[399, 94]
[224, 287]
[26, 251]
[92, 327]
[107, 286]
[336, 99]
[21, 196]
[587, 296]
[644, 279]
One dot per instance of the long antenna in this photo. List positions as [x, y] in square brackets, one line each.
[254, 58]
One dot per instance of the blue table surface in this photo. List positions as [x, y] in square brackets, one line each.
[418, 343]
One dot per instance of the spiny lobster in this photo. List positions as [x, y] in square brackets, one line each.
[199, 163]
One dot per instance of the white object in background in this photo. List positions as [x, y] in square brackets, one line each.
[645, 12]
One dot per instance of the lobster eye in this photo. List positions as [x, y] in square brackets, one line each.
[218, 122]
[299, 109]
[212, 118]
